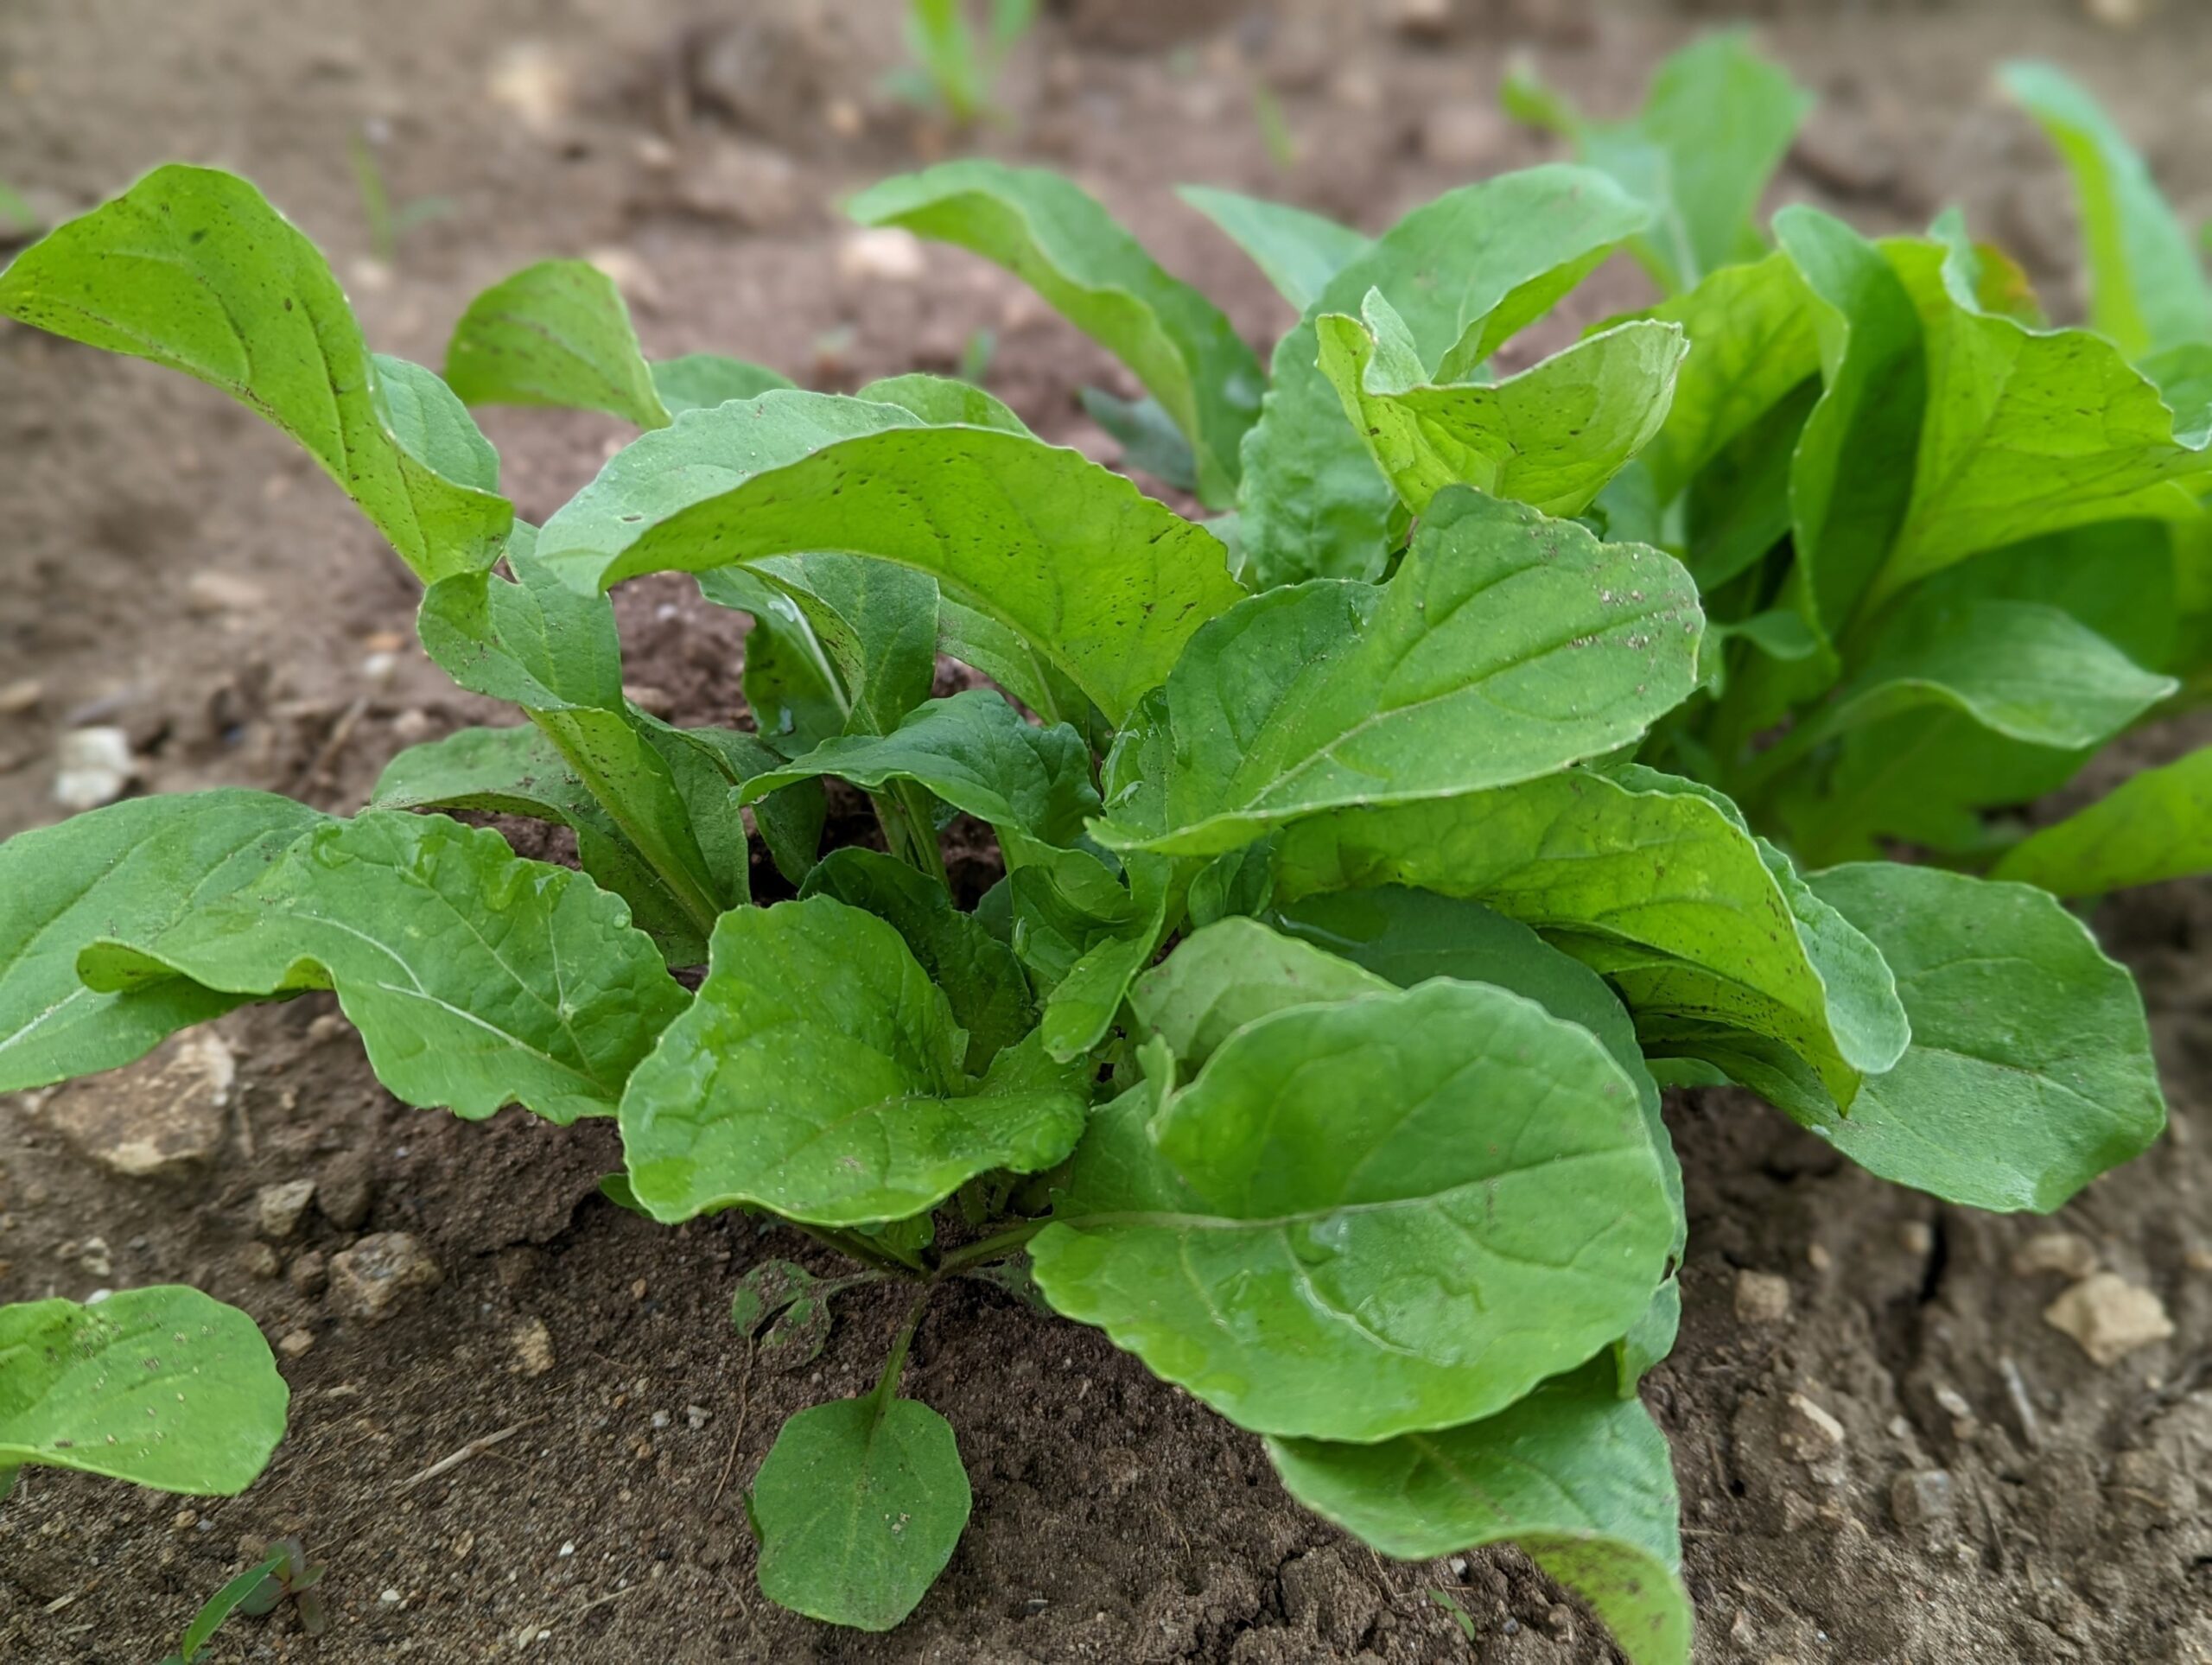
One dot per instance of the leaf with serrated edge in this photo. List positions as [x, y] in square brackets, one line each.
[477, 979]
[1101, 578]
[193, 269]
[163, 1386]
[131, 869]
[555, 334]
[1505, 646]
[818, 1073]
[1574, 1475]
[2029, 1072]
[859, 1505]
[1648, 879]
[1397, 1212]
[1053, 236]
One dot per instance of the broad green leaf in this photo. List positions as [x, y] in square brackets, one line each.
[818, 1074]
[1053, 236]
[2148, 288]
[974, 751]
[1550, 437]
[1151, 443]
[981, 979]
[521, 771]
[163, 1386]
[2029, 1072]
[132, 870]
[1753, 341]
[433, 426]
[2027, 431]
[193, 269]
[1298, 251]
[555, 334]
[1101, 580]
[2028, 672]
[858, 1505]
[477, 979]
[1652, 881]
[942, 401]
[1397, 1213]
[1408, 937]
[1715, 124]
[1851, 478]
[1505, 646]
[1233, 973]
[699, 381]
[536, 644]
[2153, 826]
[1465, 273]
[1574, 1475]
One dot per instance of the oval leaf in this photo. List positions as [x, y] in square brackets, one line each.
[1397, 1212]
[859, 1505]
[163, 1387]
[555, 334]
[2154, 826]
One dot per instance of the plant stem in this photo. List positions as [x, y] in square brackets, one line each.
[854, 1246]
[886, 1386]
[995, 1246]
[914, 809]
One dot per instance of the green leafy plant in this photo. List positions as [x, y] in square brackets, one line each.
[163, 1386]
[955, 66]
[1370, 859]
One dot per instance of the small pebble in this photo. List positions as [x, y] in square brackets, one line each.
[311, 1272]
[1808, 1432]
[92, 767]
[1916, 1238]
[1921, 1497]
[2109, 1316]
[889, 254]
[296, 1344]
[533, 1347]
[260, 1261]
[278, 1209]
[698, 1416]
[2067, 1253]
[1761, 1297]
[371, 1280]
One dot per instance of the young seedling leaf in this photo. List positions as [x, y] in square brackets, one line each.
[859, 1505]
[555, 334]
[819, 1074]
[1648, 879]
[2154, 826]
[1053, 236]
[2147, 286]
[1274, 1238]
[477, 979]
[193, 269]
[1574, 1474]
[131, 869]
[1086, 999]
[974, 751]
[700, 381]
[977, 639]
[163, 1386]
[1101, 580]
[245, 1593]
[1506, 646]
[981, 979]
[1550, 437]
[1298, 251]
[874, 624]
[2029, 1072]
[1465, 273]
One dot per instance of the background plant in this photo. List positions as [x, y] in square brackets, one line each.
[1370, 1160]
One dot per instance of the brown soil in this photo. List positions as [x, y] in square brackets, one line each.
[1115, 1519]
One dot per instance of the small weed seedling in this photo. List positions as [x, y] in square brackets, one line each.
[1374, 850]
[955, 69]
[283, 1574]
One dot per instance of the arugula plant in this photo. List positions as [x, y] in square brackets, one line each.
[1369, 863]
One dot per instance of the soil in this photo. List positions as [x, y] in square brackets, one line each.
[174, 568]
